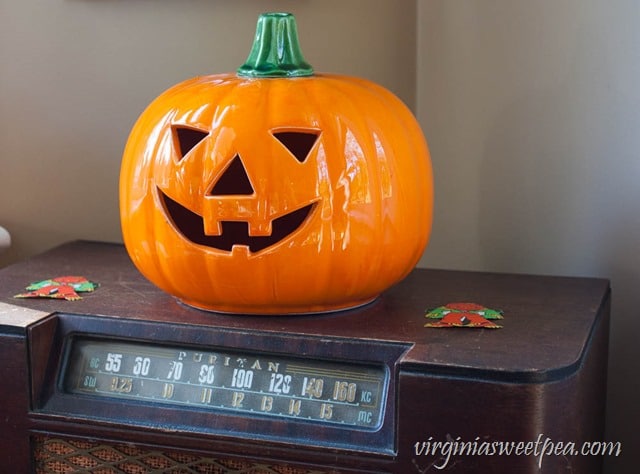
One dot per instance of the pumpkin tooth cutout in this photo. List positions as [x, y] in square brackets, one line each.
[233, 233]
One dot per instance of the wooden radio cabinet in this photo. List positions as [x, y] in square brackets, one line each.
[129, 380]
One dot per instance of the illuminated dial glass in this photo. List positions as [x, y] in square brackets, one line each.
[246, 383]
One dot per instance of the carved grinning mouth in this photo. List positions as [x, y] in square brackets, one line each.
[191, 226]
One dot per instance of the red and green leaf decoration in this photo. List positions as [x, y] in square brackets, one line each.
[63, 287]
[464, 315]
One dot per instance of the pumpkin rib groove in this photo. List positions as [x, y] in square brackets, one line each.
[322, 267]
[361, 107]
[348, 131]
[417, 142]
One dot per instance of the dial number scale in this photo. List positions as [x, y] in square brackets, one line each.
[313, 390]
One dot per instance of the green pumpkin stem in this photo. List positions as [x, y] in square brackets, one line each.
[276, 49]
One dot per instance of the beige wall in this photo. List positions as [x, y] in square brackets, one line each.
[75, 74]
[532, 109]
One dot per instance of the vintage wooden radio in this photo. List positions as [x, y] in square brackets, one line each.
[129, 380]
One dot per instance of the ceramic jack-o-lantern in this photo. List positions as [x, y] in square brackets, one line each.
[275, 190]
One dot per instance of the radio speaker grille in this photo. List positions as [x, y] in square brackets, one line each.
[66, 456]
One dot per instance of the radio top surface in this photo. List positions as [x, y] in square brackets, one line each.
[546, 326]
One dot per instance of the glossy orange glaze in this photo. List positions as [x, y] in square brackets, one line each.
[367, 181]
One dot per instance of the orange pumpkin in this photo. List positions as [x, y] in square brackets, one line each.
[274, 189]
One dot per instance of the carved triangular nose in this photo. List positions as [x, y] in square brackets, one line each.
[234, 181]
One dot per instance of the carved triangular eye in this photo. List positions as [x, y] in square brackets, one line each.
[186, 139]
[298, 143]
[234, 181]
